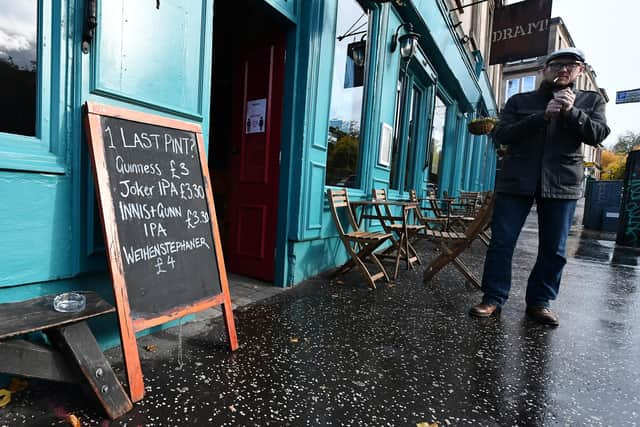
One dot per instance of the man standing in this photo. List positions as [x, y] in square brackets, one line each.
[543, 131]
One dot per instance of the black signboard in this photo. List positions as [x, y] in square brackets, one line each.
[629, 228]
[159, 222]
[520, 31]
[163, 221]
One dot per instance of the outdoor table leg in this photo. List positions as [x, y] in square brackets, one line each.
[405, 218]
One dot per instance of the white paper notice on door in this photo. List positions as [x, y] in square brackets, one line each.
[256, 116]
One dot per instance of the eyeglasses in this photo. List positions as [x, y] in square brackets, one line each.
[557, 66]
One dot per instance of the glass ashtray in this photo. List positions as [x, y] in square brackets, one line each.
[69, 302]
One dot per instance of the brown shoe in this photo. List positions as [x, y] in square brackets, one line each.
[543, 315]
[484, 310]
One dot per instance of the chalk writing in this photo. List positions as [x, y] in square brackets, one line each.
[160, 206]
[133, 255]
[183, 145]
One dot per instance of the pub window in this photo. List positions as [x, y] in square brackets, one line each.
[414, 118]
[395, 150]
[528, 83]
[349, 79]
[513, 87]
[437, 138]
[524, 84]
[407, 125]
[18, 66]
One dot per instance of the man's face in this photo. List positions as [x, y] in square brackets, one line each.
[562, 71]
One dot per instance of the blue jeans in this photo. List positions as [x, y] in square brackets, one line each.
[554, 223]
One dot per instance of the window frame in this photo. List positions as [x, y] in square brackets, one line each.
[520, 85]
[43, 152]
[421, 76]
[406, 162]
[446, 101]
[364, 113]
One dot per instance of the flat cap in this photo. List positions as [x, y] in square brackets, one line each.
[567, 51]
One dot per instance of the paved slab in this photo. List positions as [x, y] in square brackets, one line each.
[336, 353]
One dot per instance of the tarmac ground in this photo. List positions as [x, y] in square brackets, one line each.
[333, 352]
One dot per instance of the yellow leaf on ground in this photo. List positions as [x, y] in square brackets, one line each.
[294, 340]
[73, 421]
[151, 348]
[425, 424]
[5, 397]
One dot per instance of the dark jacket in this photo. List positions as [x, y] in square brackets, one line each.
[543, 155]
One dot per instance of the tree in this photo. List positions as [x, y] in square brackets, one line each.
[613, 165]
[628, 141]
[342, 158]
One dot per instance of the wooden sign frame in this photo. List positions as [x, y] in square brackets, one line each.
[129, 326]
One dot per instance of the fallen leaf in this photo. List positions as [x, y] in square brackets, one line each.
[151, 348]
[232, 408]
[391, 285]
[425, 424]
[5, 397]
[73, 421]
[339, 282]
[294, 339]
[17, 384]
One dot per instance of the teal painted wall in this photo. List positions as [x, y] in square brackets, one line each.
[50, 239]
[36, 223]
[312, 244]
[35, 227]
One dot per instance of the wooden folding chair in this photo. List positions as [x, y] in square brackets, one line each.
[359, 244]
[403, 233]
[427, 216]
[454, 243]
[464, 211]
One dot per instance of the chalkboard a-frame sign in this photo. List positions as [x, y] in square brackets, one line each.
[159, 222]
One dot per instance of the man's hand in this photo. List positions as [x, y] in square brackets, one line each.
[554, 107]
[566, 97]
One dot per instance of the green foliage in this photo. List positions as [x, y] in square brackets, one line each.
[342, 158]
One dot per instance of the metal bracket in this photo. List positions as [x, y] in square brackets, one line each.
[91, 22]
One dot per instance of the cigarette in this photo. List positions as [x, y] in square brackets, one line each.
[556, 79]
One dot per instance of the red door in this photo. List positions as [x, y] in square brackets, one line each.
[255, 160]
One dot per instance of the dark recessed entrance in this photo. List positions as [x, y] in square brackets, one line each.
[246, 120]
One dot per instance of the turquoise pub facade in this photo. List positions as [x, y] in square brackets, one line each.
[293, 97]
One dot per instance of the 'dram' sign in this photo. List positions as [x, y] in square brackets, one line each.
[520, 31]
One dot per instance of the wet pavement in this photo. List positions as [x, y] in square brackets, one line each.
[335, 353]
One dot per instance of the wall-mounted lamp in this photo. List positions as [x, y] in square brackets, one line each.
[396, 2]
[408, 41]
[357, 51]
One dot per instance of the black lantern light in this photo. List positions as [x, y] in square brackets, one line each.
[408, 41]
[357, 51]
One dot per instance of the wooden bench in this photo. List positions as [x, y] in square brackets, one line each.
[75, 356]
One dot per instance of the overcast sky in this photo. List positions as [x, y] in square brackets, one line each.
[18, 31]
[608, 33]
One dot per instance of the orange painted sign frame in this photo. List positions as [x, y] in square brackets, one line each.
[129, 326]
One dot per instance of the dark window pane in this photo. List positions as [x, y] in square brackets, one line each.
[414, 118]
[437, 137]
[18, 64]
[395, 151]
[346, 97]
